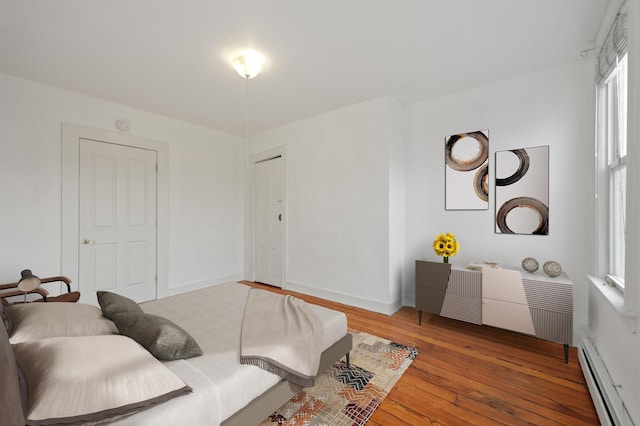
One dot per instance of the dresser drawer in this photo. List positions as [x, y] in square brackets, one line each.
[507, 315]
[429, 300]
[432, 274]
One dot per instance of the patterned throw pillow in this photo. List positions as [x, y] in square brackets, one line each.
[164, 339]
[112, 303]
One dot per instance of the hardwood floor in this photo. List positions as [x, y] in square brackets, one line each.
[473, 375]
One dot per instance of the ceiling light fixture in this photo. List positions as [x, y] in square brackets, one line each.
[249, 64]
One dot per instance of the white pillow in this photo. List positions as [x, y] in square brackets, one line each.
[33, 321]
[92, 378]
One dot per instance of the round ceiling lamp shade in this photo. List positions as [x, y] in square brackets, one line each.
[249, 64]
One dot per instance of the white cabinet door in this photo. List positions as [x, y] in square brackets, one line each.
[503, 284]
[507, 315]
[504, 302]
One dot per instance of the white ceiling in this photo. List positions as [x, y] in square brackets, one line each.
[172, 57]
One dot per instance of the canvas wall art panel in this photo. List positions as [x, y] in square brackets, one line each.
[467, 171]
[522, 191]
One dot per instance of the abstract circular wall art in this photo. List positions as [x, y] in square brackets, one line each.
[467, 171]
[522, 191]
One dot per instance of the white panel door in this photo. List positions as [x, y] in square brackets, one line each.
[117, 228]
[267, 222]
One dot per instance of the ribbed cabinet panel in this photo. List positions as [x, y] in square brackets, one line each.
[463, 299]
[465, 283]
[550, 296]
[462, 308]
[553, 326]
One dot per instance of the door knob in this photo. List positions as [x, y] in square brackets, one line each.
[280, 217]
[86, 241]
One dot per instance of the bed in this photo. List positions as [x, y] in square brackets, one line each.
[213, 388]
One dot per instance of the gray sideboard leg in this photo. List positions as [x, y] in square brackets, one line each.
[566, 353]
[419, 317]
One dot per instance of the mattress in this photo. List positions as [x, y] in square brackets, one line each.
[213, 316]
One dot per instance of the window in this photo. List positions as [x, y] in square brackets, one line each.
[611, 121]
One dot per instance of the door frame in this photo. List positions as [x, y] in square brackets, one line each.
[70, 239]
[249, 218]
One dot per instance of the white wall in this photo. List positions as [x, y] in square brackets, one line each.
[338, 217]
[614, 331]
[552, 107]
[397, 204]
[617, 342]
[345, 178]
[206, 193]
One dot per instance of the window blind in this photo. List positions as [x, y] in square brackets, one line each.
[614, 46]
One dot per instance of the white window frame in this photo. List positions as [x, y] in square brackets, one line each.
[611, 154]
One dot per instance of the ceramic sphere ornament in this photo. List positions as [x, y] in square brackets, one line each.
[552, 268]
[530, 264]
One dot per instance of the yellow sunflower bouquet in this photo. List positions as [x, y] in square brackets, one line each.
[445, 245]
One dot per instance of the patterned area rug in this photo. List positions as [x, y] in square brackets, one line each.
[349, 396]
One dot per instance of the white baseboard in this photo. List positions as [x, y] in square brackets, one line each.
[197, 285]
[606, 399]
[358, 302]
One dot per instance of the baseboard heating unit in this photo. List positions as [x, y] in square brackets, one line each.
[609, 405]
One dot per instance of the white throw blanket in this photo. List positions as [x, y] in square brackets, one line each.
[282, 335]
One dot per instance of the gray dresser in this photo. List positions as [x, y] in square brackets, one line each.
[530, 303]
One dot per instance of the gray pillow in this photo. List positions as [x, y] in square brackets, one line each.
[112, 303]
[164, 339]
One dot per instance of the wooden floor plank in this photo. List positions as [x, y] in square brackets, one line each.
[466, 374]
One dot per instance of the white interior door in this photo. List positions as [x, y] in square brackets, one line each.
[117, 220]
[267, 221]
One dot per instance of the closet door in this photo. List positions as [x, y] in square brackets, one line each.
[117, 229]
[267, 221]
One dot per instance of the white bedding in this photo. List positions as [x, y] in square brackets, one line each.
[222, 386]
